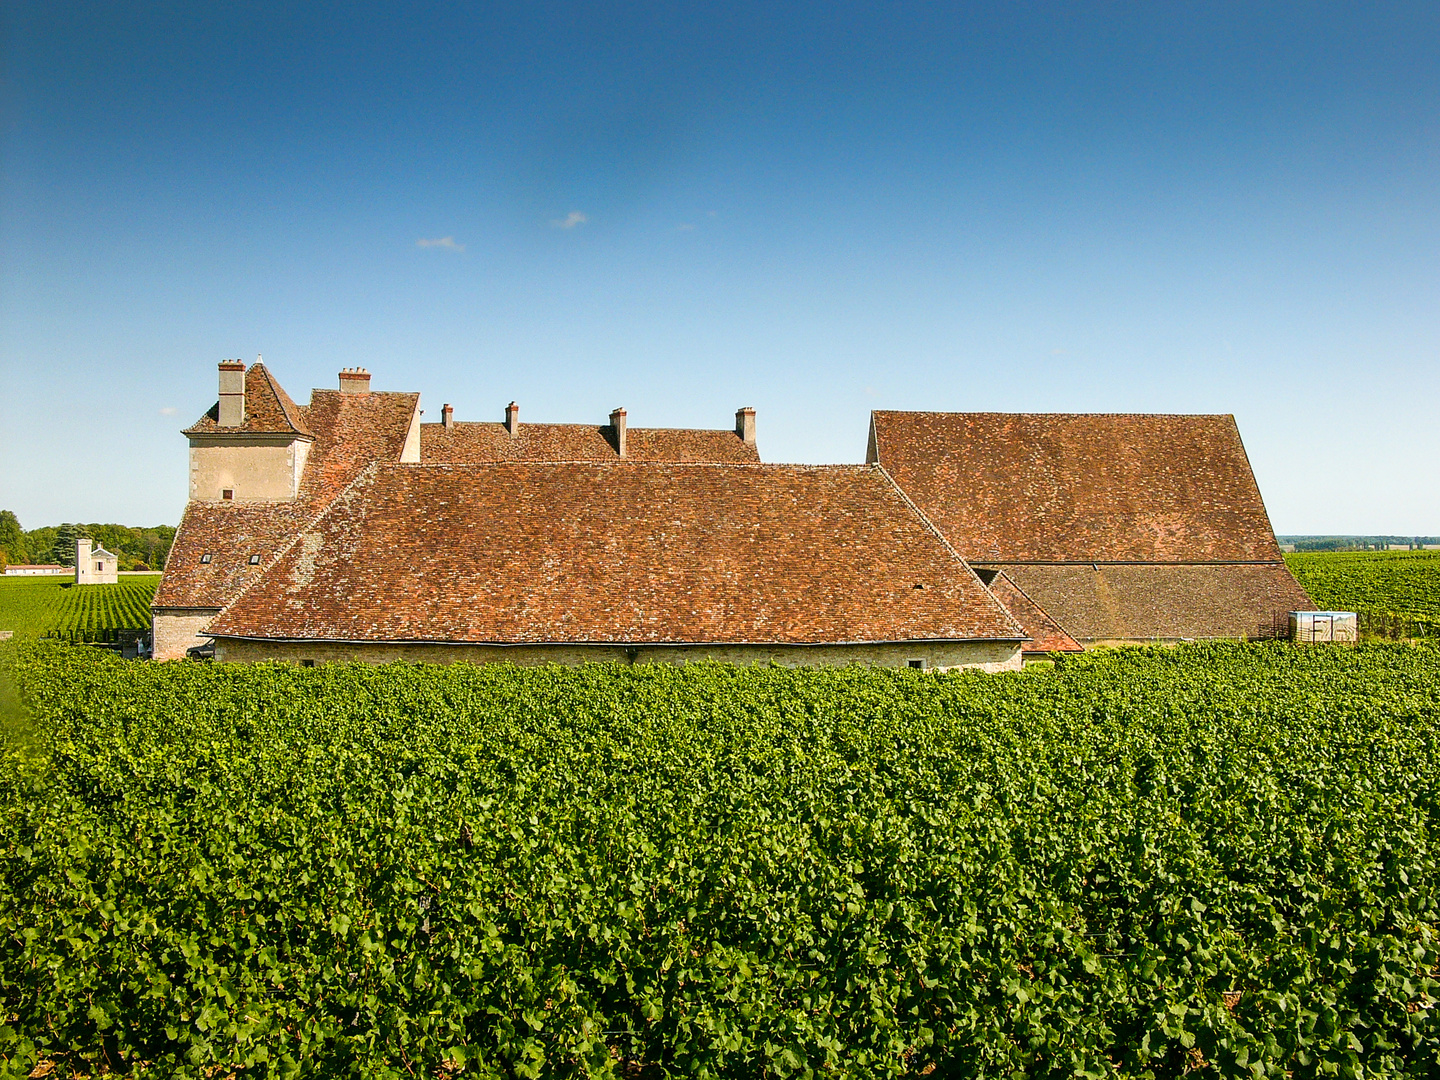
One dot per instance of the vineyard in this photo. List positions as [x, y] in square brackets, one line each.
[33, 607]
[1397, 590]
[1211, 860]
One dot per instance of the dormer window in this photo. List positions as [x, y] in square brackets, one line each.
[205, 558]
[254, 560]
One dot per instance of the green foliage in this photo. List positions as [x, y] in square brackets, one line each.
[1387, 587]
[138, 548]
[33, 606]
[1215, 859]
[12, 540]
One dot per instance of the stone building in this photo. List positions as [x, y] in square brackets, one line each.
[1120, 527]
[95, 565]
[346, 528]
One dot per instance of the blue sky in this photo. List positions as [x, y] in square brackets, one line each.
[814, 209]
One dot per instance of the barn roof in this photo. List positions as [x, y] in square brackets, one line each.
[469, 442]
[268, 410]
[350, 431]
[620, 553]
[1058, 487]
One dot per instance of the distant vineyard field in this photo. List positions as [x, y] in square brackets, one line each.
[1401, 586]
[33, 607]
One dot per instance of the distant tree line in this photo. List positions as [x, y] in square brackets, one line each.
[135, 548]
[1357, 543]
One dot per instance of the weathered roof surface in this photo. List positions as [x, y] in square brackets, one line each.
[619, 552]
[1139, 602]
[351, 431]
[477, 442]
[1022, 487]
[1046, 635]
[268, 410]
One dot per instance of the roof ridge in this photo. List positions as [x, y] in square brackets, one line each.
[607, 462]
[997, 412]
[288, 408]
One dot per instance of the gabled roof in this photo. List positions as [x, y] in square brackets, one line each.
[350, 430]
[619, 552]
[268, 410]
[1063, 487]
[101, 551]
[477, 442]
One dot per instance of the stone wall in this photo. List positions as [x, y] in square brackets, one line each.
[936, 655]
[178, 629]
[253, 468]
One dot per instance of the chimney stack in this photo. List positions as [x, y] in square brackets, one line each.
[232, 393]
[447, 416]
[512, 419]
[354, 380]
[617, 423]
[745, 425]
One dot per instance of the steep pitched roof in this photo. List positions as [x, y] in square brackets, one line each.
[477, 442]
[1139, 602]
[1056, 487]
[619, 552]
[351, 431]
[268, 410]
[1046, 635]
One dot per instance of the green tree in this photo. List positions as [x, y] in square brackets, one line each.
[12, 539]
[63, 549]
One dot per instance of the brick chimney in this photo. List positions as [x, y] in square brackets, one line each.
[354, 380]
[512, 419]
[232, 393]
[617, 422]
[745, 425]
[447, 416]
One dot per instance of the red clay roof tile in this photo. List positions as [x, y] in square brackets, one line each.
[619, 552]
[268, 410]
[477, 442]
[1028, 487]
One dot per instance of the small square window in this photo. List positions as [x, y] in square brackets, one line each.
[228, 493]
[99, 567]
[307, 663]
[254, 560]
[918, 665]
[205, 558]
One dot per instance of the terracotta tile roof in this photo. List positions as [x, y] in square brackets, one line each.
[268, 410]
[619, 552]
[351, 431]
[1168, 602]
[1046, 634]
[1028, 487]
[476, 442]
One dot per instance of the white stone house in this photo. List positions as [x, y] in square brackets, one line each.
[95, 565]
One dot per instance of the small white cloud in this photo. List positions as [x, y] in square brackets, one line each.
[167, 411]
[446, 242]
[570, 220]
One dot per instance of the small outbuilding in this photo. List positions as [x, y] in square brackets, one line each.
[95, 565]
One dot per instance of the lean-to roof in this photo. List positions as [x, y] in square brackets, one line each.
[616, 552]
[1046, 634]
[1059, 487]
[469, 442]
[1138, 602]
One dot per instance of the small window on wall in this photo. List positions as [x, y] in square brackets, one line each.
[307, 663]
[100, 567]
[254, 560]
[228, 493]
[205, 558]
[918, 665]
